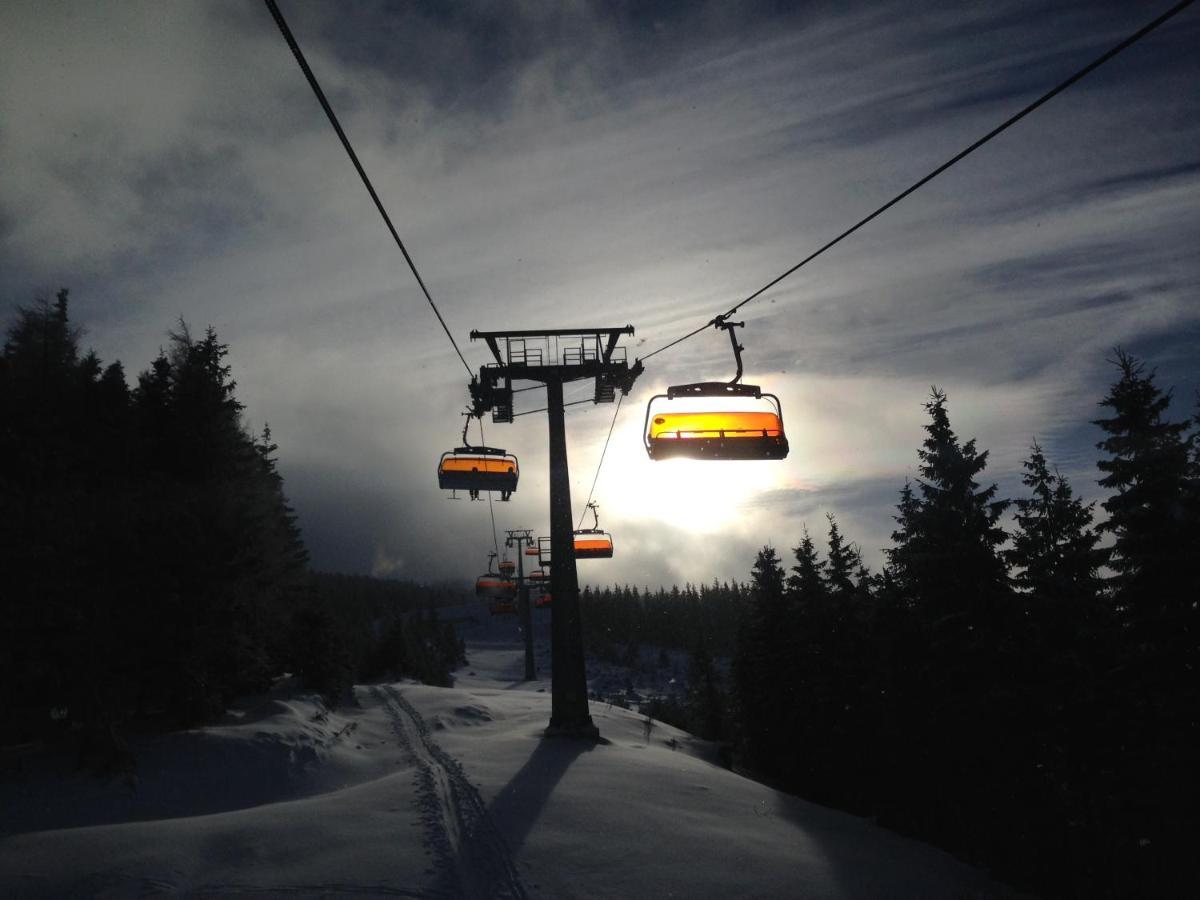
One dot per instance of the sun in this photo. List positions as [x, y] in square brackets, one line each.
[698, 496]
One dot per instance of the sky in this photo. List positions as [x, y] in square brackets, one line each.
[603, 164]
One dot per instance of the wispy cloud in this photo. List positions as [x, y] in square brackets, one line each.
[603, 164]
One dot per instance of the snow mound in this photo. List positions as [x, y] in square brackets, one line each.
[279, 750]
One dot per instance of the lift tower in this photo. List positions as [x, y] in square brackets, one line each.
[522, 538]
[555, 358]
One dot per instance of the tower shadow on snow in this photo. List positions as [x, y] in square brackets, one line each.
[520, 802]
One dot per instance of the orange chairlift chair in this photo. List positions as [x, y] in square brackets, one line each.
[594, 542]
[475, 469]
[716, 430]
[539, 587]
[499, 590]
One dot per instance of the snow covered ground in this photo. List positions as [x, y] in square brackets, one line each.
[442, 792]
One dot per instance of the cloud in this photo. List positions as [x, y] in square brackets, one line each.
[599, 164]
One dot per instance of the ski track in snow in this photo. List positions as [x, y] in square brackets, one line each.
[276, 890]
[476, 861]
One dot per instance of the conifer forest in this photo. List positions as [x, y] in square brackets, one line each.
[1018, 684]
[153, 567]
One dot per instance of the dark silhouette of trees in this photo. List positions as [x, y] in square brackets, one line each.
[706, 698]
[760, 665]
[153, 568]
[64, 532]
[678, 618]
[1054, 547]
[382, 629]
[1149, 466]
[844, 565]
[1032, 707]
[1147, 470]
[946, 550]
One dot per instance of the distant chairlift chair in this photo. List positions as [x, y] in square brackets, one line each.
[594, 542]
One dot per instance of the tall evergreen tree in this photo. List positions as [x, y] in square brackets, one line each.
[1155, 689]
[806, 583]
[844, 564]
[1064, 651]
[902, 555]
[1054, 546]
[1156, 541]
[947, 556]
[951, 619]
[760, 657]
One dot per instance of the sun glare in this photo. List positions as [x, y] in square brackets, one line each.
[699, 496]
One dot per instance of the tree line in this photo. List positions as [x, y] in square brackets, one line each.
[152, 567]
[680, 617]
[1025, 697]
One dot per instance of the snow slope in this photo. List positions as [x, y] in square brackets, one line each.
[434, 792]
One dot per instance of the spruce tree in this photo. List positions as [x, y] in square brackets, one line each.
[1054, 546]
[901, 556]
[947, 556]
[1063, 648]
[844, 564]
[951, 620]
[1154, 688]
[1147, 469]
[759, 661]
[806, 583]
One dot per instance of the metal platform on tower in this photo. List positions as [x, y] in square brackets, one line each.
[560, 355]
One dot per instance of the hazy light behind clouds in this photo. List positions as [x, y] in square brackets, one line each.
[595, 164]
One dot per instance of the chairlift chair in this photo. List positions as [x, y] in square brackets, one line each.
[492, 586]
[594, 542]
[716, 431]
[488, 587]
[475, 469]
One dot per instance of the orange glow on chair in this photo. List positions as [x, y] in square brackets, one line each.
[475, 472]
[599, 547]
[716, 435]
[495, 586]
[684, 425]
[482, 464]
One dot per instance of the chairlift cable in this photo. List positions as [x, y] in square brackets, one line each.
[600, 464]
[333, 120]
[491, 509]
[530, 412]
[1012, 120]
